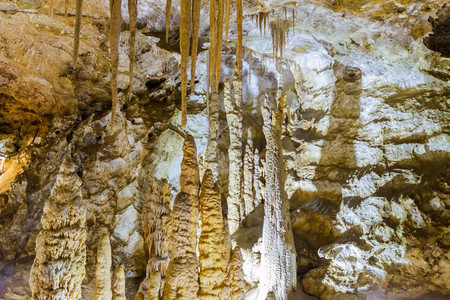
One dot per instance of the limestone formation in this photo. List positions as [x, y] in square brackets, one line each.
[156, 225]
[132, 10]
[59, 267]
[182, 272]
[239, 34]
[196, 5]
[248, 172]
[236, 208]
[214, 251]
[185, 34]
[234, 289]
[103, 270]
[76, 43]
[278, 257]
[211, 157]
[115, 21]
[119, 284]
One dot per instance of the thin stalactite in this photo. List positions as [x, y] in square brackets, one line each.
[239, 34]
[76, 43]
[167, 13]
[132, 9]
[185, 30]
[50, 9]
[227, 18]
[66, 7]
[115, 21]
[195, 31]
[212, 56]
[219, 29]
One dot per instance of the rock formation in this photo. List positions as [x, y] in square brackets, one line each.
[278, 254]
[59, 267]
[119, 284]
[156, 225]
[103, 270]
[182, 272]
[234, 289]
[236, 208]
[214, 251]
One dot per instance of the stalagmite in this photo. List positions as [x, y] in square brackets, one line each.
[185, 35]
[132, 9]
[59, 266]
[154, 286]
[76, 42]
[115, 21]
[167, 14]
[248, 177]
[234, 289]
[119, 284]
[211, 158]
[234, 119]
[190, 177]
[103, 270]
[156, 225]
[196, 4]
[239, 34]
[278, 257]
[213, 247]
[227, 18]
[182, 273]
[139, 296]
[257, 183]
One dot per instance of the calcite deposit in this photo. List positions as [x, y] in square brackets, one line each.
[297, 149]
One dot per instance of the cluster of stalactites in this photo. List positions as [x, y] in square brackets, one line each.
[279, 28]
[189, 27]
[156, 225]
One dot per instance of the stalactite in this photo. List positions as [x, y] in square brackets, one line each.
[248, 177]
[185, 35]
[220, 15]
[115, 21]
[50, 9]
[119, 284]
[279, 30]
[239, 34]
[156, 225]
[234, 118]
[234, 289]
[278, 258]
[182, 273]
[167, 14]
[213, 247]
[66, 7]
[103, 270]
[196, 4]
[227, 18]
[132, 10]
[212, 46]
[59, 266]
[76, 42]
